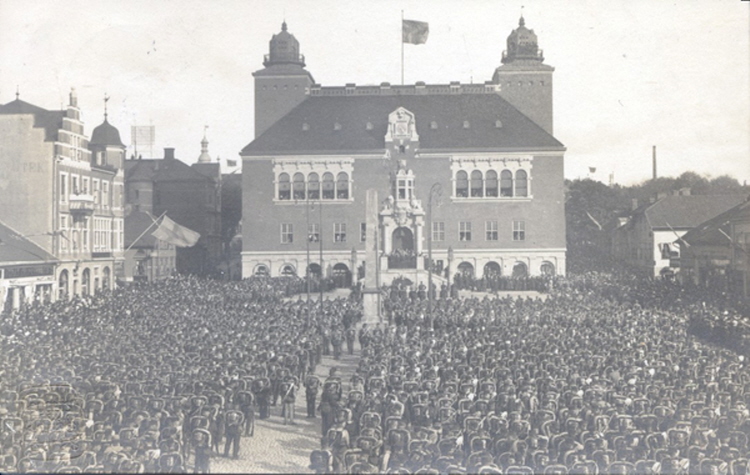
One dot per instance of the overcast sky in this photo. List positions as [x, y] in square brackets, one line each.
[629, 74]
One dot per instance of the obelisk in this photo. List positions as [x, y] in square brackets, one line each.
[371, 291]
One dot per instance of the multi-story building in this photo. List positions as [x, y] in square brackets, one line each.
[717, 252]
[649, 240]
[471, 169]
[63, 191]
[146, 257]
[189, 195]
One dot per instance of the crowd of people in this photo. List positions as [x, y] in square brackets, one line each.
[604, 373]
[607, 374]
[156, 377]
[494, 282]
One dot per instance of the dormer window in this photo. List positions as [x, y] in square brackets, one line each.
[369, 126]
[498, 124]
[466, 124]
[305, 126]
[336, 126]
[433, 125]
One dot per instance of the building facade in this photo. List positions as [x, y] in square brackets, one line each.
[64, 191]
[464, 169]
[650, 239]
[717, 252]
[189, 195]
[27, 272]
[146, 257]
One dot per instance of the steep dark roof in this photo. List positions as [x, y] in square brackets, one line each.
[688, 211]
[16, 248]
[51, 121]
[106, 134]
[135, 224]
[449, 112]
[714, 231]
[160, 169]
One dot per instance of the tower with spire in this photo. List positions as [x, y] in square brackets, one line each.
[204, 156]
[524, 80]
[106, 146]
[283, 82]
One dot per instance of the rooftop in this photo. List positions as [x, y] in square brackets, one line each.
[448, 117]
[688, 211]
[17, 249]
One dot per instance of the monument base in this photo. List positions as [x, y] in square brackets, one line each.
[371, 303]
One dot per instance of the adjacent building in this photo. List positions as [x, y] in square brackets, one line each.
[27, 272]
[63, 191]
[716, 253]
[649, 240]
[146, 257]
[189, 195]
[471, 169]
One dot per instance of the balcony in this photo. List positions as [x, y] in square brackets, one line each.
[81, 205]
[402, 261]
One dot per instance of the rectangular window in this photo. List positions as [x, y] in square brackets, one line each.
[105, 194]
[64, 232]
[97, 198]
[85, 242]
[519, 230]
[490, 228]
[85, 185]
[464, 231]
[74, 185]
[63, 187]
[313, 232]
[362, 232]
[438, 231]
[339, 232]
[287, 233]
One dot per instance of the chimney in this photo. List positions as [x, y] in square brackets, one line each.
[653, 159]
[169, 154]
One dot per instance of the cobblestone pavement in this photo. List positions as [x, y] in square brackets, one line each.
[279, 448]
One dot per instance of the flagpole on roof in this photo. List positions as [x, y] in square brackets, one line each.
[402, 47]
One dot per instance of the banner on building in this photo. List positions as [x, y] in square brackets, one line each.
[177, 235]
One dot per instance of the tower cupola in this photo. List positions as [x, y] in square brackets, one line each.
[283, 49]
[522, 45]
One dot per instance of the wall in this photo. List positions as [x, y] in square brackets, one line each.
[26, 178]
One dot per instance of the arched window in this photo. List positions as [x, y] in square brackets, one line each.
[522, 184]
[490, 184]
[284, 187]
[313, 186]
[261, 270]
[299, 186]
[288, 270]
[506, 183]
[477, 187]
[342, 186]
[462, 184]
[547, 268]
[328, 186]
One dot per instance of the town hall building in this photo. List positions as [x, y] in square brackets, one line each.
[470, 170]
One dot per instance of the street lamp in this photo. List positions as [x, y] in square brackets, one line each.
[435, 189]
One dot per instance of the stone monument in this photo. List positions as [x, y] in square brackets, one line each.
[371, 291]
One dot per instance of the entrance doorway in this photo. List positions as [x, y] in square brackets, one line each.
[403, 241]
[342, 276]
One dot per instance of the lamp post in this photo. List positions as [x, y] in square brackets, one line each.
[307, 245]
[320, 241]
[450, 280]
[435, 189]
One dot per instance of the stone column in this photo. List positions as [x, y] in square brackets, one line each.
[371, 291]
